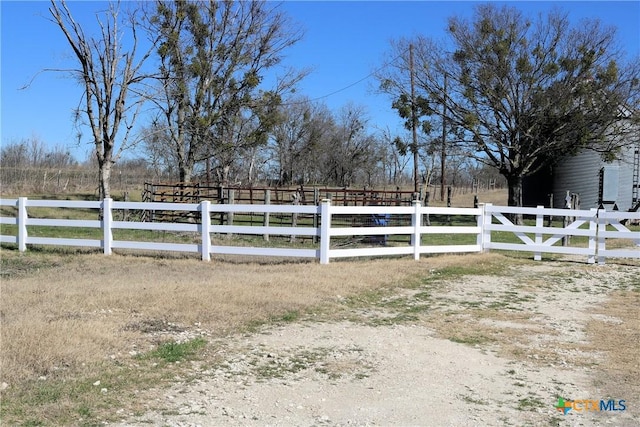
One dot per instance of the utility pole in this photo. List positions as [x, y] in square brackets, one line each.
[443, 153]
[414, 144]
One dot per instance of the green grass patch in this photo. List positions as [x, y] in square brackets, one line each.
[78, 400]
[630, 282]
[530, 403]
[473, 400]
[289, 316]
[457, 271]
[18, 264]
[172, 351]
[471, 340]
[366, 298]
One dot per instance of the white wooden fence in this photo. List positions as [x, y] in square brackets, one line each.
[539, 243]
[488, 223]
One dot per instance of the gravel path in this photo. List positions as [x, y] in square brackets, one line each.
[531, 347]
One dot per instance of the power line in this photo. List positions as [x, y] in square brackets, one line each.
[344, 88]
[348, 86]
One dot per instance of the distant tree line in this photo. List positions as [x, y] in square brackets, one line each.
[35, 153]
[33, 166]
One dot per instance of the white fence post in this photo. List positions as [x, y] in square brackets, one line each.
[593, 227]
[22, 224]
[416, 222]
[479, 223]
[486, 232]
[265, 221]
[231, 201]
[107, 220]
[325, 227]
[602, 227]
[537, 256]
[205, 228]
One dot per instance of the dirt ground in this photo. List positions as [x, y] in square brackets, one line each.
[481, 350]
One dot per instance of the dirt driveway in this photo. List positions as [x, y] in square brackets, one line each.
[478, 350]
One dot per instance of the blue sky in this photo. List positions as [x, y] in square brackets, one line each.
[344, 42]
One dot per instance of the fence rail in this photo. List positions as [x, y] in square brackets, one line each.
[539, 244]
[488, 227]
[304, 195]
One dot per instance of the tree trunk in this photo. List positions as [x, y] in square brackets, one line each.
[252, 163]
[105, 180]
[515, 196]
[186, 173]
[225, 174]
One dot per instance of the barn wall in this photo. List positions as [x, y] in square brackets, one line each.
[580, 174]
[626, 181]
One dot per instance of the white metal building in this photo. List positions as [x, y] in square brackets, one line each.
[588, 175]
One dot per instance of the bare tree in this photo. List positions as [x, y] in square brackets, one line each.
[159, 151]
[395, 158]
[297, 139]
[310, 145]
[350, 149]
[109, 73]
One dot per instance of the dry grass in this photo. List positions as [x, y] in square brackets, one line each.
[69, 319]
[620, 343]
[465, 200]
[66, 312]
[81, 311]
